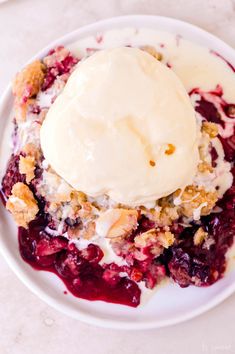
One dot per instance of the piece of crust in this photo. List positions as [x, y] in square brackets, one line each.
[193, 198]
[22, 204]
[28, 81]
[32, 150]
[27, 167]
[210, 128]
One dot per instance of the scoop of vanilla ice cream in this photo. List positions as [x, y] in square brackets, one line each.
[123, 126]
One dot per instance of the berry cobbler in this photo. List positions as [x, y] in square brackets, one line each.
[122, 166]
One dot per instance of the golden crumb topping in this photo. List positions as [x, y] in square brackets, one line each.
[86, 210]
[32, 150]
[166, 239]
[29, 81]
[199, 236]
[204, 167]
[167, 215]
[196, 199]
[210, 128]
[22, 204]
[54, 188]
[116, 222]
[150, 237]
[162, 215]
[26, 85]
[146, 238]
[27, 167]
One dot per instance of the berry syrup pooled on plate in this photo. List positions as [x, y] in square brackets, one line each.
[183, 236]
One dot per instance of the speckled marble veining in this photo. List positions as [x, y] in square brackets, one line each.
[27, 325]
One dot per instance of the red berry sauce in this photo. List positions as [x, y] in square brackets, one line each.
[79, 269]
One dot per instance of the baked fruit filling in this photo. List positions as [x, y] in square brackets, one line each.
[101, 249]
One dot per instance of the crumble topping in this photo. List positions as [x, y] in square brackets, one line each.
[27, 167]
[116, 222]
[210, 128]
[199, 236]
[153, 237]
[54, 188]
[26, 85]
[22, 204]
[32, 150]
[168, 214]
[29, 81]
[166, 239]
[204, 167]
[196, 201]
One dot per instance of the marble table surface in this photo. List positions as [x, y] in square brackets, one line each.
[27, 325]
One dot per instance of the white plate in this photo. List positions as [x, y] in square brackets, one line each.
[170, 304]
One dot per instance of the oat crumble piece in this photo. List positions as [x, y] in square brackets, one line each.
[29, 81]
[79, 207]
[79, 196]
[166, 239]
[54, 188]
[26, 85]
[204, 148]
[204, 167]
[31, 149]
[126, 223]
[164, 214]
[22, 204]
[168, 214]
[152, 51]
[27, 167]
[153, 236]
[121, 222]
[88, 231]
[86, 210]
[199, 236]
[193, 197]
[155, 239]
[210, 128]
[146, 238]
[55, 209]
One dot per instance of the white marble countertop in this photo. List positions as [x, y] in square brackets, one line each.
[27, 325]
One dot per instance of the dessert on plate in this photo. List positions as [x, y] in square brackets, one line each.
[122, 166]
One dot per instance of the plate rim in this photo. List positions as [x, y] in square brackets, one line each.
[7, 254]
